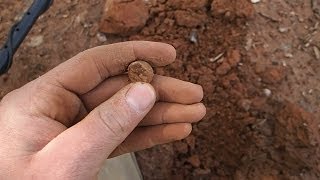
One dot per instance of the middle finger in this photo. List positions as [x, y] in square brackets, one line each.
[167, 89]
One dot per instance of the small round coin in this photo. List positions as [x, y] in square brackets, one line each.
[140, 71]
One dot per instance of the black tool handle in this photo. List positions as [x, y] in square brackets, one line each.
[19, 31]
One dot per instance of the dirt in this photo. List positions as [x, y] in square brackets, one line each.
[133, 14]
[140, 71]
[257, 63]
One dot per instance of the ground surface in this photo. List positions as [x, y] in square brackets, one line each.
[257, 64]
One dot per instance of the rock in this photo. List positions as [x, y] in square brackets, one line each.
[189, 18]
[193, 37]
[255, 1]
[267, 92]
[124, 17]
[101, 37]
[35, 41]
[316, 52]
[194, 160]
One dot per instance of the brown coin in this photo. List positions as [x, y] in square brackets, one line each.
[140, 71]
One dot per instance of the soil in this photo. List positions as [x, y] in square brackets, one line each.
[140, 71]
[258, 65]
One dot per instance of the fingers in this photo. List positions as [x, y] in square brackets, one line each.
[86, 70]
[146, 137]
[98, 134]
[164, 113]
[167, 90]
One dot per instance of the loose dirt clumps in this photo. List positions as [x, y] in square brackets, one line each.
[124, 17]
[140, 71]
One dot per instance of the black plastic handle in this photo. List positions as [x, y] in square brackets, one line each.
[19, 31]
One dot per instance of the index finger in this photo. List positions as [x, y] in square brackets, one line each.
[86, 70]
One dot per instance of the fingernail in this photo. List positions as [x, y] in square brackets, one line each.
[140, 96]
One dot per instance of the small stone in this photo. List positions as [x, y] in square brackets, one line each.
[267, 92]
[101, 37]
[283, 29]
[316, 52]
[140, 71]
[255, 1]
[288, 55]
[194, 37]
[35, 41]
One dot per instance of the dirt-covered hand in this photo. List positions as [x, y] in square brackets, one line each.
[64, 124]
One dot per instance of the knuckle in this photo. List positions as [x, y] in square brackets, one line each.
[113, 122]
[83, 56]
[101, 68]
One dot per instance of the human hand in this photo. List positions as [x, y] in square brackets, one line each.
[64, 124]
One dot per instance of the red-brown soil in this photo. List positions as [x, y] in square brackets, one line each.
[257, 64]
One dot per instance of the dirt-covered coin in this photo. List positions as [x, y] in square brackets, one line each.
[140, 71]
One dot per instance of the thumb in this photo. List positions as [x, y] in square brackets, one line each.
[94, 138]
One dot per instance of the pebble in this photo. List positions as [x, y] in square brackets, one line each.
[193, 37]
[288, 55]
[101, 37]
[316, 52]
[267, 92]
[255, 1]
[283, 29]
[35, 41]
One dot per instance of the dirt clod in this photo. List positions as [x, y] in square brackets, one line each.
[124, 17]
[140, 71]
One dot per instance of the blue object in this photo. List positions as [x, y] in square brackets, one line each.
[19, 31]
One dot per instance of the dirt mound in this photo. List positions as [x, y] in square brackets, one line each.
[248, 132]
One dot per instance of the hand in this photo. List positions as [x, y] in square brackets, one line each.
[64, 124]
